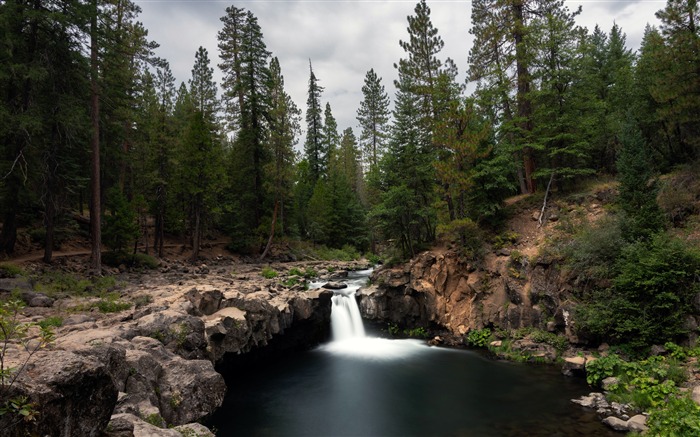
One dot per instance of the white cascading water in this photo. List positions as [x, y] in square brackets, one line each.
[348, 331]
[346, 321]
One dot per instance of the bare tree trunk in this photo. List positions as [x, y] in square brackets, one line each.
[272, 233]
[197, 234]
[95, 208]
[523, 94]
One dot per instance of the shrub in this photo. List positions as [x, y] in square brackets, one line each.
[53, 321]
[8, 270]
[680, 416]
[650, 296]
[603, 367]
[479, 337]
[419, 332]
[268, 273]
[19, 408]
[465, 233]
[594, 249]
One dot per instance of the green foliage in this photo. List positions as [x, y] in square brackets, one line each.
[12, 331]
[52, 321]
[155, 419]
[505, 239]
[62, 284]
[418, 332]
[465, 233]
[120, 227]
[594, 249]
[479, 337]
[678, 417]
[138, 260]
[373, 258]
[393, 329]
[142, 300]
[9, 270]
[652, 291]
[111, 304]
[268, 273]
[638, 187]
[603, 367]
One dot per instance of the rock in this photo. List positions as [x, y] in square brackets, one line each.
[194, 430]
[574, 366]
[129, 425]
[553, 216]
[610, 383]
[593, 400]
[536, 216]
[637, 423]
[436, 341]
[335, 285]
[657, 350]
[496, 343]
[8, 285]
[74, 395]
[616, 424]
[206, 301]
[503, 252]
[35, 300]
[696, 394]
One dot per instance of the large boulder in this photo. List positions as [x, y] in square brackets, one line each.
[72, 393]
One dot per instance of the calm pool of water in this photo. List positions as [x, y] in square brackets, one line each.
[378, 387]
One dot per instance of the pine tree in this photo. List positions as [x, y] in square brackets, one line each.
[373, 116]
[284, 128]
[316, 153]
[421, 68]
[330, 135]
[201, 154]
[561, 125]
[246, 82]
[500, 61]
[677, 95]
[638, 188]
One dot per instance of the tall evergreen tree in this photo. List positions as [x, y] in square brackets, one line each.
[314, 147]
[201, 156]
[373, 116]
[284, 128]
[330, 134]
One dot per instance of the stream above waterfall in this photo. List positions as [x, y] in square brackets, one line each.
[364, 385]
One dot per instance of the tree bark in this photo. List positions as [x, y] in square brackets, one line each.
[95, 204]
[272, 233]
[523, 94]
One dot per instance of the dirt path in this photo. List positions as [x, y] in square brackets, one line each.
[38, 255]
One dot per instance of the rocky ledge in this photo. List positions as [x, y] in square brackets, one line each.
[157, 365]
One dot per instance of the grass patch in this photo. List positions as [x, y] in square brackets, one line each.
[9, 270]
[268, 273]
[51, 322]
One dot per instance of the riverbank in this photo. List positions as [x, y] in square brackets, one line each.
[144, 349]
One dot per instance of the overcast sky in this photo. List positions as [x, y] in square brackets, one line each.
[344, 39]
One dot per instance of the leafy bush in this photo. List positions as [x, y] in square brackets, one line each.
[595, 249]
[652, 292]
[479, 337]
[679, 416]
[268, 273]
[419, 332]
[603, 367]
[466, 233]
[18, 408]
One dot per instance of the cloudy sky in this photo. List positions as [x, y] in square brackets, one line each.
[344, 39]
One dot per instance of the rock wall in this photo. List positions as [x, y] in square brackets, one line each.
[444, 290]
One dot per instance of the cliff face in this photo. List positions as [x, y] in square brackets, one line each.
[442, 289]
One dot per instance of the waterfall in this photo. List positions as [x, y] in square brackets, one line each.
[346, 321]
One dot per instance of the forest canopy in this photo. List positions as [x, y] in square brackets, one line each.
[93, 119]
